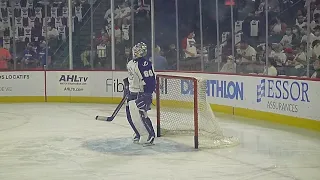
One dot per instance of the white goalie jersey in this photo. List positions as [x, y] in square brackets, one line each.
[141, 76]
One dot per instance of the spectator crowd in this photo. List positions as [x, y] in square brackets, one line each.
[26, 31]
[289, 52]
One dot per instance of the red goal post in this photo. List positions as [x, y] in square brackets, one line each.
[182, 109]
[195, 105]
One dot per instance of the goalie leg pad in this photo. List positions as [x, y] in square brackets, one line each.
[147, 123]
[129, 118]
[140, 122]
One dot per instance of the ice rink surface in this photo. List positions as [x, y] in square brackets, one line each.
[64, 142]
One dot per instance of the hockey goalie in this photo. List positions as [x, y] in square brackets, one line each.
[141, 85]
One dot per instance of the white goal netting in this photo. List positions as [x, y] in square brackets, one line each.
[184, 109]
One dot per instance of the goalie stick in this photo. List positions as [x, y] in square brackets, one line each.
[115, 112]
[123, 101]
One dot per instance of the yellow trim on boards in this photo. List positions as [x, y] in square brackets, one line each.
[268, 116]
[248, 113]
[21, 99]
[278, 118]
[83, 99]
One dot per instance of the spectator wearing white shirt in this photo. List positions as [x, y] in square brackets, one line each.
[247, 57]
[279, 56]
[279, 27]
[230, 66]
[53, 36]
[304, 35]
[287, 38]
[107, 17]
[52, 32]
[272, 70]
[300, 21]
[300, 60]
[247, 53]
[125, 14]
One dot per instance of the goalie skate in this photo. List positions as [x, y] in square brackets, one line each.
[136, 139]
[148, 142]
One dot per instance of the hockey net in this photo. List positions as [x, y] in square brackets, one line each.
[182, 109]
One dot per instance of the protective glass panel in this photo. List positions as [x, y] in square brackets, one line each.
[93, 39]
[57, 36]
[168, 35]
[216, 31]
[34, 34]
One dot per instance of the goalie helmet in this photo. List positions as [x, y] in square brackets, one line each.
[139, 50]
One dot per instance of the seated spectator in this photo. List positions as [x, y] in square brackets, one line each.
[271, 50]
[304, 35]
[246, 56]
[279, 56]
[300, 21]
[171, 55]
[316, 66]
[5, 57]
[290, 55]
[287, 38]
[30, 58]
[85, 57]
[300, 60]
[160, 62]
[279, 27]
[316, 33]
[296, 36]
[52, 33]
[316, 49]
[103, 38]
[53, 36]
[230, 66]
[261, 52]
[272, 71]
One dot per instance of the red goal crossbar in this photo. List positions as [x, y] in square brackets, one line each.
[195, 104]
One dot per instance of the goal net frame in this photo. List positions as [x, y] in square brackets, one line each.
[177, 108]
[195, 105]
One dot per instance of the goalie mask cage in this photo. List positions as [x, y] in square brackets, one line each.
[182, 109]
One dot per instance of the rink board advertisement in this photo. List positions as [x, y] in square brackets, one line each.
[84, 84]
[275, 95]
[22, 83]
[291, 97]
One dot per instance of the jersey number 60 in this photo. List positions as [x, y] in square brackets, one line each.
[148, 73]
